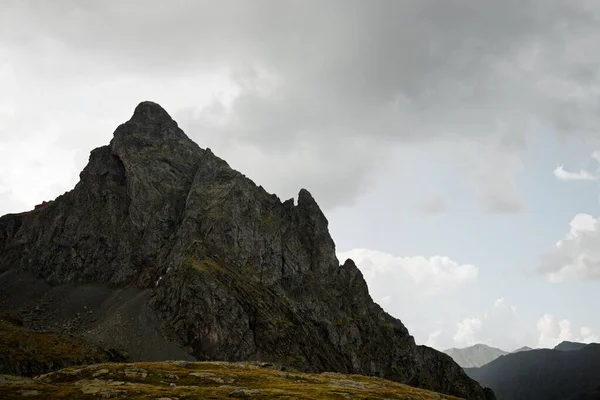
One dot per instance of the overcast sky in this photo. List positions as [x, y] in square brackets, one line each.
[451, 143]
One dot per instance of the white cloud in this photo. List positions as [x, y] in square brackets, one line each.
[435, 284]
[582, 175]
[586, 331]
[551, 332]
[499, 327]
[431, 275]
[432, 338]
[420, 291]
[23, 183]
[548, 331]
[468, 332]
[577, 255]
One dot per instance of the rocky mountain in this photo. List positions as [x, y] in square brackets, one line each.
[474, 356]
[164, 251]
[569, 346]
[543, 374]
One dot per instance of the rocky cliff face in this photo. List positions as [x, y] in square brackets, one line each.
[232, 272]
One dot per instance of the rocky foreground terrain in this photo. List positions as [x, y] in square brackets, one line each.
[205, 380]
[163, 251]
[29, 353]
[25, 355]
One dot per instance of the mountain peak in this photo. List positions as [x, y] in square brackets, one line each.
[520, 349]
[308, 203]
[217, 268]
[474, 356]
[151, 132]
[148, 110]
[569, 346]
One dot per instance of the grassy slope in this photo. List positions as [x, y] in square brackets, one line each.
[22, 350]
[205, 380]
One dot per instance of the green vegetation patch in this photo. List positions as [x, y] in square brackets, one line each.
[206, 380]
[23, 349]
[205, 265]
[217, 214]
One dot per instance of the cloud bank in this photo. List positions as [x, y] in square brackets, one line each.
[302, 107]
[552, 331]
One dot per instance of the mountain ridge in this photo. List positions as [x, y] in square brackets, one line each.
[474, 356]
[520, 349]
[566, 345]
[544, 374]
[162, 236]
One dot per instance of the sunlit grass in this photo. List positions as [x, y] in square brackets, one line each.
[206, 380]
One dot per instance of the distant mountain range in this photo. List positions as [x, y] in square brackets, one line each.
[480, 354]
[524, 348]
[474, 356]
[570, 371]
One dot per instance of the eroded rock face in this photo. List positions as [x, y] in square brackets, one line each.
[235, 273]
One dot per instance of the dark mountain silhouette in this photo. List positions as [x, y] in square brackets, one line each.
[543, 374]
[593, 394]
[569, 346]
[164, 251]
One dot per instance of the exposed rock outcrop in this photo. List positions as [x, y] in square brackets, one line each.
[233, 273]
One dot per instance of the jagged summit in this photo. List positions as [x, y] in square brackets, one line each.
[148, 110]
[153, 132]
[171, 251]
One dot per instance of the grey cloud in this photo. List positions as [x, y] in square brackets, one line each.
[498, 191]
[346, 81]
[433, 205]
